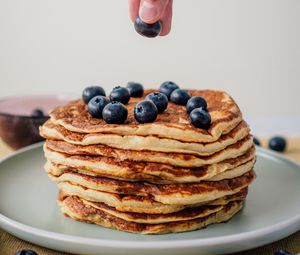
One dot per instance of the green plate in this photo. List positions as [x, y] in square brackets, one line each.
[28, 210]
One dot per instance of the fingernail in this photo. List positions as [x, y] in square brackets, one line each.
[148, 11]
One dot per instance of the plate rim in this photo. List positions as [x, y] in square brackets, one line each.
[7, 224]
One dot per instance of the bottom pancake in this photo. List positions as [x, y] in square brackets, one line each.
[78, 209]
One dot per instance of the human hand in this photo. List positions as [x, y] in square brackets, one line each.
[151, 11]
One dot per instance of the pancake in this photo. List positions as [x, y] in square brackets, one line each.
[75, 208]
[176, 159]
[178, 194]
[172, 123]
[138, 204]
[185, 214]
[124, 203]
[151, 172]
[149, 143]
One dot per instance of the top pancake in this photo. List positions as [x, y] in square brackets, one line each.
[172, 123]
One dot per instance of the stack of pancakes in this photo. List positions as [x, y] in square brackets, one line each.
[160, 177]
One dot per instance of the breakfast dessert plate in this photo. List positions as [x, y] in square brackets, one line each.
[28, 210]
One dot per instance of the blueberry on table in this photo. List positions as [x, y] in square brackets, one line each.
[26, 252]
[37, 113]
[135, 89]
[120, 94]
[195, 102]
[145, 112]
[168, 87]
[92, 91]
[200, 118]
[282, 252]
[115, 113]
[159, 99]
[96, 105]
[147, 30]
[180, 96]
[277, 143]
[256, 141]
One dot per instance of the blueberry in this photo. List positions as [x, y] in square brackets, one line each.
[282, 252]
[115, 113]
[37, 113]
[256, 141]
[277, 143]
[159, 99]
[200, 118]
[145, 29]
[180, 96]
[168, 87]
[135, 89]
[26, 252]
[96, 105]
[92, 91]
[195, 102]
[145, 112]
[120, 94]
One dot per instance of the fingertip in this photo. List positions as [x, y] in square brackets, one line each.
[133, 9]
[151, 11]
[165, 32]
[166, 20]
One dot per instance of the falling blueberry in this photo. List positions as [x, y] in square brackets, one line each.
[277, 143]
[147, 30]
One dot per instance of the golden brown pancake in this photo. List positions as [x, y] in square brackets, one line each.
[173, 123]
[149, 143]
[185, 214]
[138, 204]
[75, 208]
[145, 171]
[180, 193]
[177, 159]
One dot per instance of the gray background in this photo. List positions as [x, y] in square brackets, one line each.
[249, 48]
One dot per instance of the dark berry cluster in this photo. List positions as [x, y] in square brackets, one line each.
[196, 106]
[113, 109]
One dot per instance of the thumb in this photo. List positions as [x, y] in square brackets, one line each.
[151, 10]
